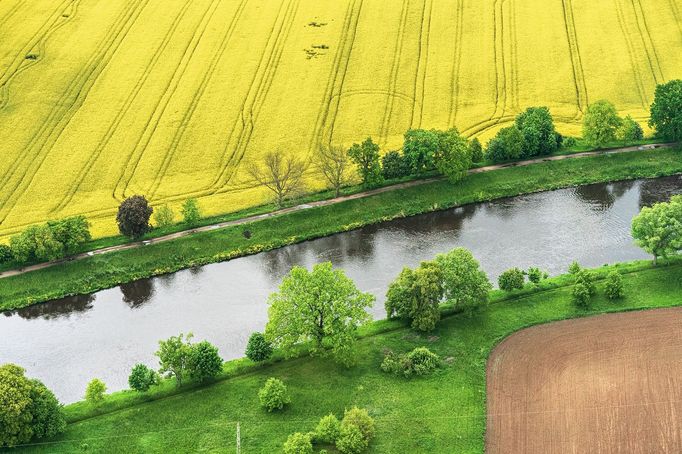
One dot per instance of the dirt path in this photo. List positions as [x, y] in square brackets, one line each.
[604, 384]
[359, 195]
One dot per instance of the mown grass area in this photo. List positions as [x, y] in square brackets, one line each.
[108, 270]
[444, 412]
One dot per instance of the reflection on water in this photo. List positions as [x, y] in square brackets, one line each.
[69, 341]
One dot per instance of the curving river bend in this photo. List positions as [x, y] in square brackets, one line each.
[68, 342]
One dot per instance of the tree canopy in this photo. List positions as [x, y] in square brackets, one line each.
[666, 110]
[601, 123]
[415, 295]
[658, 229]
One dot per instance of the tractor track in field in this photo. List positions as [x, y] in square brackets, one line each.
[321, 203]
[113, 127]
[647, 41]
[119, 192]
[8, 15]
[581, 95]
[456, 65]
[639, 81]
[676, 15]
[422, 64]
[189, 113]
[65, 109]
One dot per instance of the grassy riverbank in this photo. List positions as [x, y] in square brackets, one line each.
[441, 413]
[111, 269]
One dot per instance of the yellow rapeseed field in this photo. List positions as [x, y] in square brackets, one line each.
[102, 99]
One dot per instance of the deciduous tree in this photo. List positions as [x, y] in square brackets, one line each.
[366, 157]
[174, 356]
[280, 173]
[133, 216]
[333, 163]
[658, 229]
[416, 295]
[666, 111]
[465, 284]
[601, 123]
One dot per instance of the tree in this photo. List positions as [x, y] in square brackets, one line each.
[298, 443]
[36, 243]
[94, 393]
[601, 123]
[164, 216]
[666, 111]
[476, 150]
[328, 429]
[174, 356]
[419, 149]
[133, 216]
[537, 127]
[535, 275]
[452, 156]
[5, 253]
[274, 395]
[27, 408]
[394, 165]
[416, 295]
[258, 348]
[204, 361]
[511, 279]
[142, 378]
[574, 268]
[366, 157]
[465, 285]
[658, 229]
[70, 232]
[191, 213]
[333, 163]
[280, 173]
[507, 145]
[614, 286]
[323, 306]
[630, 131]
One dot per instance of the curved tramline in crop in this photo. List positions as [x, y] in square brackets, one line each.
[121, 114]
[422, 65]
[17, 180]
[581, 96]
[119, 192]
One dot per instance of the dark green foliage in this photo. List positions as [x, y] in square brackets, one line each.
[328, 429]
[419, 149]
[452, 157]
[298, 443]
[133, 216]
[204, 361]
[48, 418]
[476, 150]
[366, 157]
[507, 145]
[512, 279]
[613, 288]
[5, 254]
[191, 213]
[394, 165]
[274, 395]
[142, 378]
[569, 142]
[537, 127]
[258, 348]
[630, 131]
[666, 111]
[415, 295]
[535, 275]
[420, 361]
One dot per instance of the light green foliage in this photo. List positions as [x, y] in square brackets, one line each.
[328, 429]
[666, 111]
[464, 283]
[476, 150]
[71, 232]
[174, 356]
[164, 216]
[366, 157]
[420, 361]
[586, 278]
[142, 378]
[95, 390]
[581, 296]
[507, 145]
[452, 158]
[274, 395]
[204, 361]
[258, 348]
[191, 213]
[537, 127]
[658, 229]
[574, 268]
[601, 123]
[298, 443]
[613, 289]
[351, 440]
[630, 130]
[36, 243]
[415, 295]
[512, 279]
[323, 306]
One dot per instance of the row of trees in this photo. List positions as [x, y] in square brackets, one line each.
[135, 212]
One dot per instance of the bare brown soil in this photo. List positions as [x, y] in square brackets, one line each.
[605, 384]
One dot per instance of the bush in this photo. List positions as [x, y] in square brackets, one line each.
[273, 395]
[581, 296]
[191, 214]
[94, 393]
[204, 361]
[614, 286]
[164, 216]
[5, 254]
[537, 127]
[351, 440]
[574, 268]
[142, 378]
[511, 279]
[416, 295]
[361, 419]
[569, 142]
[328, 429]
[535, 275]
[586, 278]
[298, 443]
[630, 130]
[133, 216]
[258, 349]
[476, 150]
[508, 144]
[36, 243]
[420, 361]
[600, 123]
[393, 165]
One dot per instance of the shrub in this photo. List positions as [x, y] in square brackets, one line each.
[133, 216]
[5, 253]
[630, 130]
[273, 395]
[569, 142]
[393, 165]
[574, 268]
[361, 419]
[586, 278]
[600, 123]
[511, 279]
[142, 378]
[581, 296]
[164, 216]
[204, 361]
[351, 440]
[94, 393]
[70, 232]
[535, 275]
[537, 127]
[614, 286]
[327, 430]
[258, 349]
[36, 243]
[191, 214]
[420, 361]
[298, 443]
[506, 145]
[476, 150]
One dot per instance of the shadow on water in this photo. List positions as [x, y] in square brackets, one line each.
[64, 307]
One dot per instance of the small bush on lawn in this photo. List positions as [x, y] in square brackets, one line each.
[142, 378]
[581, 296]
[359, 417]
[94, 393]
[614, 286]
[328, 429]
[511, 279]
[298, 443]
[273, 395]
[420, 361]
[535, 275]
[258, 349]
[351, 440]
